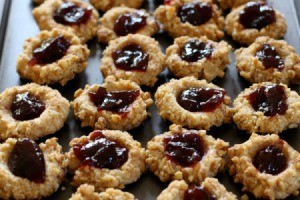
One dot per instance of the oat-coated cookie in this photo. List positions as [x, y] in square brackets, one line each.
[105, 5]
[228, 4]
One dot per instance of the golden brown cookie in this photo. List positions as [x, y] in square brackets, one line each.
[228, 4]
[105, 5]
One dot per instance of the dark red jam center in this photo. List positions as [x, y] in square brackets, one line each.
[201, 99]
[270, 160]
[131, 57]
[269, 57]
[195, 192]
[270, 99]
[186, 149]
[257, 15]
[195, 13]
[101, 152]
[70, 14]
[50, 51]
[195, 50]
[27, 161]
[129, 23]
[26, 107]
[115, 101]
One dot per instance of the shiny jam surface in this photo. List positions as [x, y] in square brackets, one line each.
[269, 57]
[27, 161]
[270, 99]
[131, 57]
[26, 107]
[185, 149]
[195, 50]
[201, 99]
[70, 14]
[129, 23]
[50, 51]
[115, 101]
[270, 160]
[101, 152]
[195, 192]
[195, 13]
[257, 15]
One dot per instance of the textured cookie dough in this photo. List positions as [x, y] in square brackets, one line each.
[167, 15]
[247, 36]
[105, 5]
[177, 189]
[228, 4]
[246, 118]
[252, 69]
[12, 186]
[87, 112]
[167, 170]
[43, 14]
[105, 178]
[168, 107]
[60, 71]
[149, 46]
[264, 185]
[56, 113]
[106, 31]
[205, 68]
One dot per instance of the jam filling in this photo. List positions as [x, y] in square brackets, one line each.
[26, 107]
[269, 57]
[201, 99]
[115, 101]
[70, 14]
[129, 23]
[195, 13]
[270, 99]
[27, 161]
[50, 51]
[101, 152]
[257, 15]
[195, 50]
[131, 57]
[195, 192]
[185, 149]
[270, 160]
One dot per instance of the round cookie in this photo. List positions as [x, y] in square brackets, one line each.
[209, 24]
[52, 57]
[143, 65]
[80, 17]
[121, 21]
[278, 183]
[268, 59]
[275, 109]
[180, 102]
[198, 57]
[272, 25]
[228, 4]
[19, 187]
[95, 166]
[105, 5]
[18, 120]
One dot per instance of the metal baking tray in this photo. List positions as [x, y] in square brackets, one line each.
[17, 24]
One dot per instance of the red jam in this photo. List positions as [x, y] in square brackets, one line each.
[27, 161]
[195, 13]
[269, 57]
[26, 107]
[130, 23]
[195, 192]
[195, 50]
[101, 152]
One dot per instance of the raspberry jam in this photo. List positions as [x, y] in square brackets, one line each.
[269, 57]
[27, 161]
[185, 149]
[50, 51]
[101, 152]
[201, 99]
[195, 192]
[269, 99]
[195, 50]
[131, 57]
[70, 14]
[26, 107]
[270, 160]
[195, 13]
[257, 15]
[129, 23]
